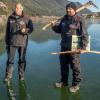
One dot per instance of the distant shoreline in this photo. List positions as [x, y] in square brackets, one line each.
[43, 19]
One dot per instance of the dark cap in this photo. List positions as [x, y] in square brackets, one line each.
[71, 5]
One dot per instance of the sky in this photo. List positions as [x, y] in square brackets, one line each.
[96, 2]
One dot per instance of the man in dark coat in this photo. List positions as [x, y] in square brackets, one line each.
[71, 24]
[18, 28]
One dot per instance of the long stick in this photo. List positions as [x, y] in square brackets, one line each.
[67, 52]
[78, 10]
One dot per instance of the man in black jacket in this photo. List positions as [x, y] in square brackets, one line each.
[18, 28]
[71, 24]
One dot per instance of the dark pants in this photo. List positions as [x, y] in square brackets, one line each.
[74, 61]
[11, 50]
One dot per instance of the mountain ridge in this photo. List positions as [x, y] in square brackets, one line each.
[44, 7]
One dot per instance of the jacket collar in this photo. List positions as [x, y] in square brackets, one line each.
[15, 16]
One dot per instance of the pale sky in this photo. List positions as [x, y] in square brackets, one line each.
[96, 2]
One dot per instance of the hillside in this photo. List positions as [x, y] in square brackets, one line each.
[42, 7]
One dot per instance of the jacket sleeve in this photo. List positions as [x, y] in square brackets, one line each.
[29, 28]
[84, 34]
[7, 31]
[57, 28]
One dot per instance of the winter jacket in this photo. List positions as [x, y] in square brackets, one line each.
[72, 25]
[15, 23]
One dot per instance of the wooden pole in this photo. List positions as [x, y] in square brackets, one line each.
[78, 51]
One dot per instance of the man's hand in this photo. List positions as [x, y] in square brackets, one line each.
[53, 23]
[23, 30]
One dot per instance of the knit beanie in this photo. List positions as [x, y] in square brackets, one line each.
[71, 5]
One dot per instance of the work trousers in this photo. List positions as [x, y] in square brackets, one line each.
[72, 61]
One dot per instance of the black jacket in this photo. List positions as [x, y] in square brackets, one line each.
[72, 26]
[15, 23]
